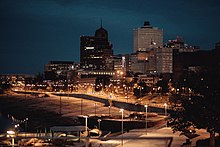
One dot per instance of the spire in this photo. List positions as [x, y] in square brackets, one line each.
[101, 22]
[101, 32]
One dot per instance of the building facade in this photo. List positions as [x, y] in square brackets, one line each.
[55, 69]
[122, 63]
[139, 64]
[164, 60]
[154, 61]
[147, 37]
[179, 44]
[96, 51]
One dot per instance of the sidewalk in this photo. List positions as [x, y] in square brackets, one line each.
[153, 138]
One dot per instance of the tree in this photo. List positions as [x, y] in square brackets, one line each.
[50, 75]
[140, 90]
[101, 82]
[201, 109]
[163, 85]
[5, 85]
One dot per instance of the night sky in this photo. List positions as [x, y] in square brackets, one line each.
[33, 32]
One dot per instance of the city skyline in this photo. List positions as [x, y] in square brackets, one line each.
[35, 32]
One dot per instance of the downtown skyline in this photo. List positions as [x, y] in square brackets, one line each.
[35, 32]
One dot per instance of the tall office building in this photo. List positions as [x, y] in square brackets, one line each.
[164, 60]
[61, 69]
[147, 37]
[96, 51]
[122, 63]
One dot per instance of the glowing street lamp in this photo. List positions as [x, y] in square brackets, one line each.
[146, 117]
[99, 122]
[16, 127]
[109, 110]
[86, 123]
[165, 111]
[60, 105]
[95, 108]
[81, 106]
[26, 119]
[122, 124]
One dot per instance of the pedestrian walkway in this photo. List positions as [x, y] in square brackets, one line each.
[153, 138]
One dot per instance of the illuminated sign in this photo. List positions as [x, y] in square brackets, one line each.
[90, 47]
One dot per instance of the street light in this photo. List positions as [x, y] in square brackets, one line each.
[16, 127]
[81, 106]
[165, 112]
[26, 119]
[146, 117]
[99, 123]
[60, 103]
[165, 109]
[86, 123]
[122, 124]
[109, 110]
[95, 109]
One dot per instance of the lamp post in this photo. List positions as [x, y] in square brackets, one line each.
[16, 127]
[60, 103]
[95, 108]
[122, 124]
[165, 112]
[146, 117]
[109, 110]
[25, 88]
[26, 119]
[81, 106]
[165, 109]
[99, 123]
[86, 123]
[92, 89]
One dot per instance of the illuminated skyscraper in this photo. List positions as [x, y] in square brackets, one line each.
[147, 37]
[96, 51]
